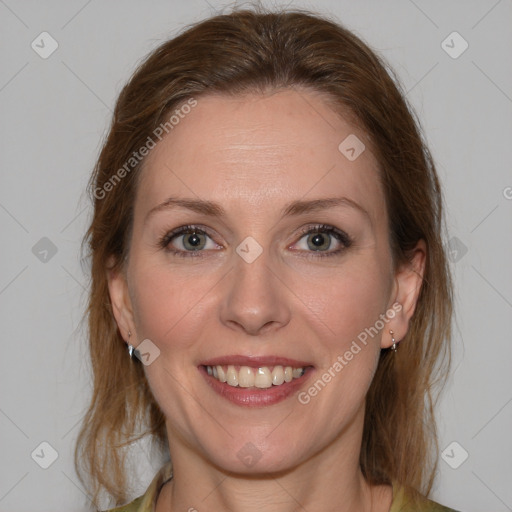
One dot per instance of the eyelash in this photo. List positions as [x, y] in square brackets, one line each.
[182, 230]
[339, 235]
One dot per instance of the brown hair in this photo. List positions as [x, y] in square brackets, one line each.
[257, 51]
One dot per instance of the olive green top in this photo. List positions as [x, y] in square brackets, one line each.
[400, 503]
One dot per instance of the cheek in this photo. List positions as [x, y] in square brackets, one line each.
[360, 299]
[169, 309]
[345, 300]
[169, 305]
[346, 310]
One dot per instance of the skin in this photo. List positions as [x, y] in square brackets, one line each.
[253, 155]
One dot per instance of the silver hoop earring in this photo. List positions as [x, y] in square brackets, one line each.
[394, 347]
[131, 348]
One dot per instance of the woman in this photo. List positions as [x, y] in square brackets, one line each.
[266, 242]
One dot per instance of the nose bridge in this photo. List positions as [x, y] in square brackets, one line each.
[254, 299]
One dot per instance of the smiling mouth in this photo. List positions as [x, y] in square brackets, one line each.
[262, 377]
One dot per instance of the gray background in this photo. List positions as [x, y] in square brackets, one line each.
[55, 112]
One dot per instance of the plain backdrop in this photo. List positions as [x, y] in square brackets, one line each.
[55, 109]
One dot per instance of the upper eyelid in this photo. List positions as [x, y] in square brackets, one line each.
[340, 235]
[180, 230]
[185, 229]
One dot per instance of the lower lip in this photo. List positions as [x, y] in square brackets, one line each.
[255, 397]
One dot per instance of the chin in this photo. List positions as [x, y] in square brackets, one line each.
[255, 458]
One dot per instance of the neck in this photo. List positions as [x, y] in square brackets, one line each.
[330, 480]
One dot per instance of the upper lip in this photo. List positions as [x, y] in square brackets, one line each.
[255, 361]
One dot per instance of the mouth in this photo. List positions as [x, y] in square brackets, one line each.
[255, 382]
[262, 377]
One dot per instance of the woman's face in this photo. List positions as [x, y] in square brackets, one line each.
[260, 243]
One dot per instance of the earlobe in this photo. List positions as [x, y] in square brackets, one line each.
[408, 283]
[121, 303]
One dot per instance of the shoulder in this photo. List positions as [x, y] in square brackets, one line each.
[406, 499]
[134, 506]
[147, 502]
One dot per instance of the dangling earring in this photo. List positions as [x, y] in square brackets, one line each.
[131, 348]
[394, 347]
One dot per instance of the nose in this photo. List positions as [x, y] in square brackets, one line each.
[255, 300]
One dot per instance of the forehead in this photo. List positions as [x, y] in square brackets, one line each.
[262, 150]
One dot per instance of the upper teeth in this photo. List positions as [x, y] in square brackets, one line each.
[261, 377]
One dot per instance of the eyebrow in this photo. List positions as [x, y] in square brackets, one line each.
[315, 205]
[294, 208]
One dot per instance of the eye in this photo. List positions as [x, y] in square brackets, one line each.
[187, 239]
[323, 239]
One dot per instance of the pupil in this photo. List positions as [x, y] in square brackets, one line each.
[194, 240]
[318, 241]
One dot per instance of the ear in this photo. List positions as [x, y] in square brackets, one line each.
[121, 302]
[406, 290]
